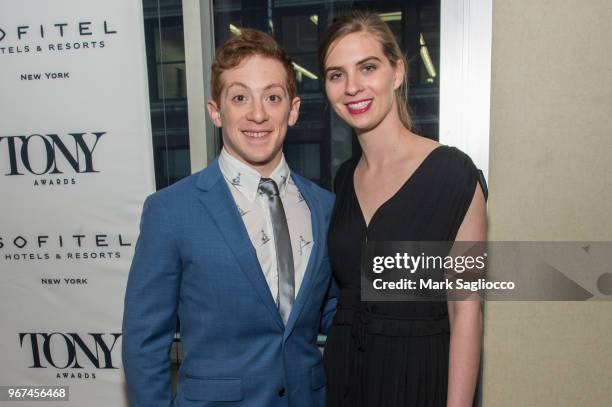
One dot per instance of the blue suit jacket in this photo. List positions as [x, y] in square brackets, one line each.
[194, 259]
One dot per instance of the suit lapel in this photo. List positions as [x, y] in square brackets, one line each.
[218, 201]
[316, 219]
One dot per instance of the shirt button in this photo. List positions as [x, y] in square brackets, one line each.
[282, 392]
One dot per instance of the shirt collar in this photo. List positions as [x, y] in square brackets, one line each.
[246, 179]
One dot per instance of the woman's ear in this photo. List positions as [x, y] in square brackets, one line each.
[400, 73]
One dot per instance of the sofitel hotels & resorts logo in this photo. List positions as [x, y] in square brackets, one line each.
[64, 247]
[56, 37]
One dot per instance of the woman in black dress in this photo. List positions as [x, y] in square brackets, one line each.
[403, 187]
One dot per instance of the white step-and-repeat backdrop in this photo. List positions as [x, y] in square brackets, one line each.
[75, 166]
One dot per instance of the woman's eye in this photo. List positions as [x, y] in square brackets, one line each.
[334, 76]
[274, 98]
[239, 98]
[369, 67]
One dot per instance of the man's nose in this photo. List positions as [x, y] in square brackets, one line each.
[258, 112]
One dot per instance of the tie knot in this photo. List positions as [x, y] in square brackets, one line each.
[268, 187]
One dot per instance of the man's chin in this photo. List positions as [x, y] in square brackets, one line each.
[262, 161]
[265, 163]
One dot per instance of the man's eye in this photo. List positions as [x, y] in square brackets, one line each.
[239, 98]
[274, 98]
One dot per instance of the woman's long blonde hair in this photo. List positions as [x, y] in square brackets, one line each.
[371, 23]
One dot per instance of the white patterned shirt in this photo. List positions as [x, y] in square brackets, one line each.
[243, 182]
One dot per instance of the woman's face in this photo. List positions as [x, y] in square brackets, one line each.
[360, 81]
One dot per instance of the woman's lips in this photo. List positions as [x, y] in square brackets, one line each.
[359, 107]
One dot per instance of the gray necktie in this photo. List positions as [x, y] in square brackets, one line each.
[284, 253]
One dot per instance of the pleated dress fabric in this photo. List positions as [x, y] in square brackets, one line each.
[392, 354]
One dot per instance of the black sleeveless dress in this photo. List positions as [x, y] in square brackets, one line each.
[392, 354]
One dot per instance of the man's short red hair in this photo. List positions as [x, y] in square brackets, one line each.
[250, 42]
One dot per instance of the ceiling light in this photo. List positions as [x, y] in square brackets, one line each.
[301, 71]
[393, 16]
[431, 70]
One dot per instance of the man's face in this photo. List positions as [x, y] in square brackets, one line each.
[254, 111]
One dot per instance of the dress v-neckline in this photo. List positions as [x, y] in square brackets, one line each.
[391, 198]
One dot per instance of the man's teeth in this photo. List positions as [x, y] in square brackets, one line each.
[360, 105]
[256, 134]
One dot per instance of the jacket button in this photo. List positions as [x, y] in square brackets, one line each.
[282, 392]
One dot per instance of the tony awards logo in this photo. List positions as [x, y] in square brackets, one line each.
[76, 356]
[49, 155]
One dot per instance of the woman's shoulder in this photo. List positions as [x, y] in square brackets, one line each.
[457, 168]
[453, 161]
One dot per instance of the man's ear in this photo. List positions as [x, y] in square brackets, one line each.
[294, 111]
[214, 113]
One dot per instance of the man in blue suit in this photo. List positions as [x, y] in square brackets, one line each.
[237, 253]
